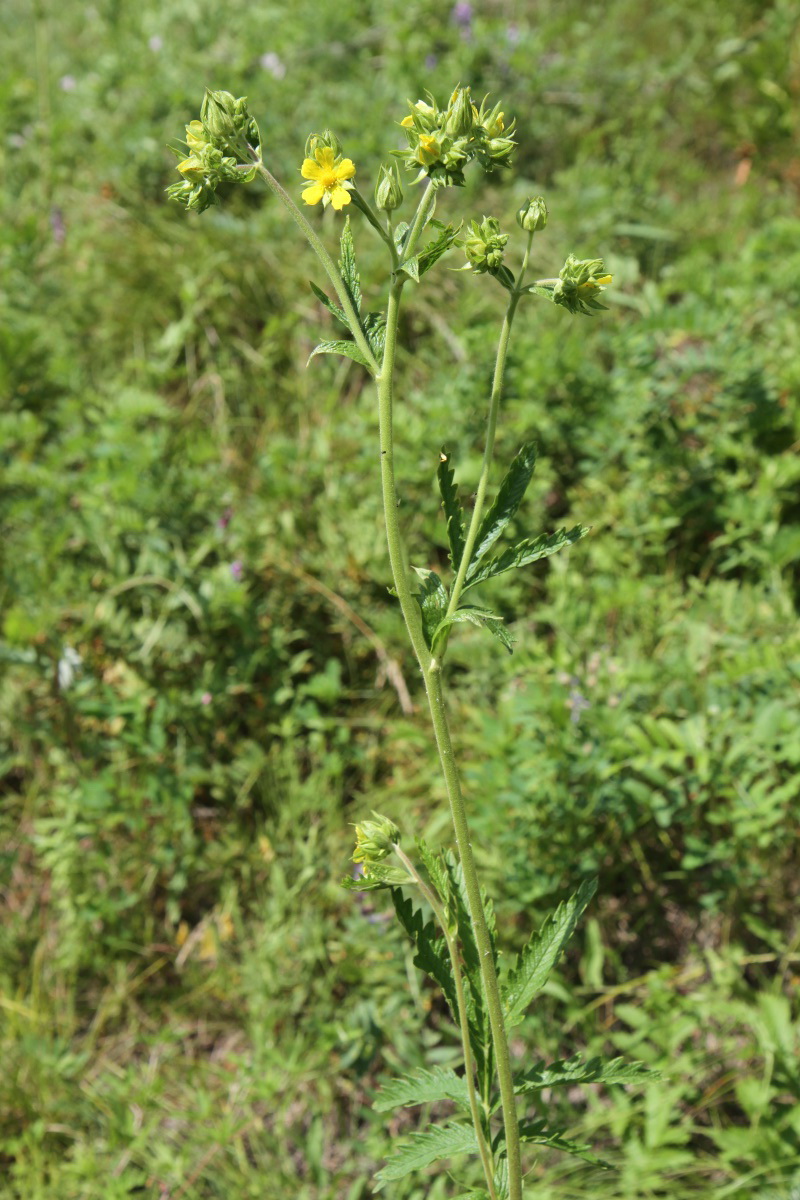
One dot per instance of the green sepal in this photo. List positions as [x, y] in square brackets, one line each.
[423, 1087]
[425, 1148]
[347, 266]
[380, 876]
[570, 1071]
[528, 551]
[506, 503]
[329, 304]
[348, 349]
[454, 513]
[432, 599]
[541, 954]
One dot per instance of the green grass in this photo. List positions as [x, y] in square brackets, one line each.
[190, 1006]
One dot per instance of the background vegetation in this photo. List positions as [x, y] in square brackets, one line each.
[189, 1004]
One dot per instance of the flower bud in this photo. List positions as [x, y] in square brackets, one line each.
[219, 116]
[388, 192]
[579, 283]
[375, 839]
[459, 119]
[196, 138]
[485, 246]
[321, 141]
[533, 214]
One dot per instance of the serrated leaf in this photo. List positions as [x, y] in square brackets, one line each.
[539, 1134]
[524, 553]
[484, 618]
[506, 503]
[541, 954]
[434, 250]
[426, 1148]
[432, 599]
[348, 349]
[375, 330]
[431, 952]
[329, 304]
[411, 267]
[499, 630]
[401, 235]
[575, 1070]
[453, 512]
[423, 1087]
[433, 862]
[380, 875]
[347, 265]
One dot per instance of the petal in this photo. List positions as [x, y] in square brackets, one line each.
[324, 157]
[346, 169]
[339, 197]
[309, 169]
[313, 194]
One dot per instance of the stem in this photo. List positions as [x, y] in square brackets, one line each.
[463, 1021]
[331, 269]
[431, 671]
[488, 449]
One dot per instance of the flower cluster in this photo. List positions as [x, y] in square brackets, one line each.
[485, 247]
[442, 141]
[217, 143]
[579, 283]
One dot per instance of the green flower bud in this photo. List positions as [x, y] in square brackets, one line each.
[375, 839]
[533, 214]
[579, 283]
[218, 116]
[388, 192]
[325, 140]
[485, 246]
[459, 120]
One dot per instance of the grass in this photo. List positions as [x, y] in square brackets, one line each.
[191, 1006]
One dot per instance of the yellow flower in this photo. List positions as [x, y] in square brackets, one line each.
[429, 150]
[330, 179]
[598, 281]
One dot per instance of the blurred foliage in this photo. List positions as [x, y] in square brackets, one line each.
[191, 707]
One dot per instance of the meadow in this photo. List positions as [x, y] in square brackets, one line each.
[204, 681]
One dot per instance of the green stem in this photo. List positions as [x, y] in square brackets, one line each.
[463, 1021]
[488, 449]
[331, 269]
[431, 671]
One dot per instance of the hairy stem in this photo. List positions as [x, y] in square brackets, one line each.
[463, 1022]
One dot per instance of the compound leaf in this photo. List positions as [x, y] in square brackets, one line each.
[426, 1148]
[575, 1070]
[524, 553]
[423, 1087]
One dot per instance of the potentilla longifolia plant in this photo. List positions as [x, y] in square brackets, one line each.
[436, 893]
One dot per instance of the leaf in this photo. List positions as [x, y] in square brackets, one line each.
[576, 1070]
[537, 1132]
[375, 331]
[434, 250]
[348, 349]
[329, 304]
[347, 266]
[454, 514]
[432, 599]
[401, 235]
[506, 503]
[524, 553]
[483, 617]
[426, 1148]
[423, 1087]
[431, 956]
[411, 267]
[437, 872]
[381, 875]
[541, 954]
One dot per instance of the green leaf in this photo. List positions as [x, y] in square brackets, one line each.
[433, 861]
[375, 331]
[506, 503]
[454, 514]
[423, 1087]
[401, 235]
[434, 250]
[432, 599]
[381, 875]
[575, 1070]
[537, 1132]
[545, 290]
[524, 553]
[410, 267]
[331, 307]
[348, 349]
[483, 617]
[431, 956]
[541, 954]
[426, 1148]
[347, 266]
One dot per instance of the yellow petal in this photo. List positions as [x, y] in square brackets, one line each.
[313, 194]
[346, 169]
[339, 197]
[407, 122]
[310, 169]
[324, 157]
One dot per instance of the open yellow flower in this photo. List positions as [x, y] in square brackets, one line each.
[330, 179]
